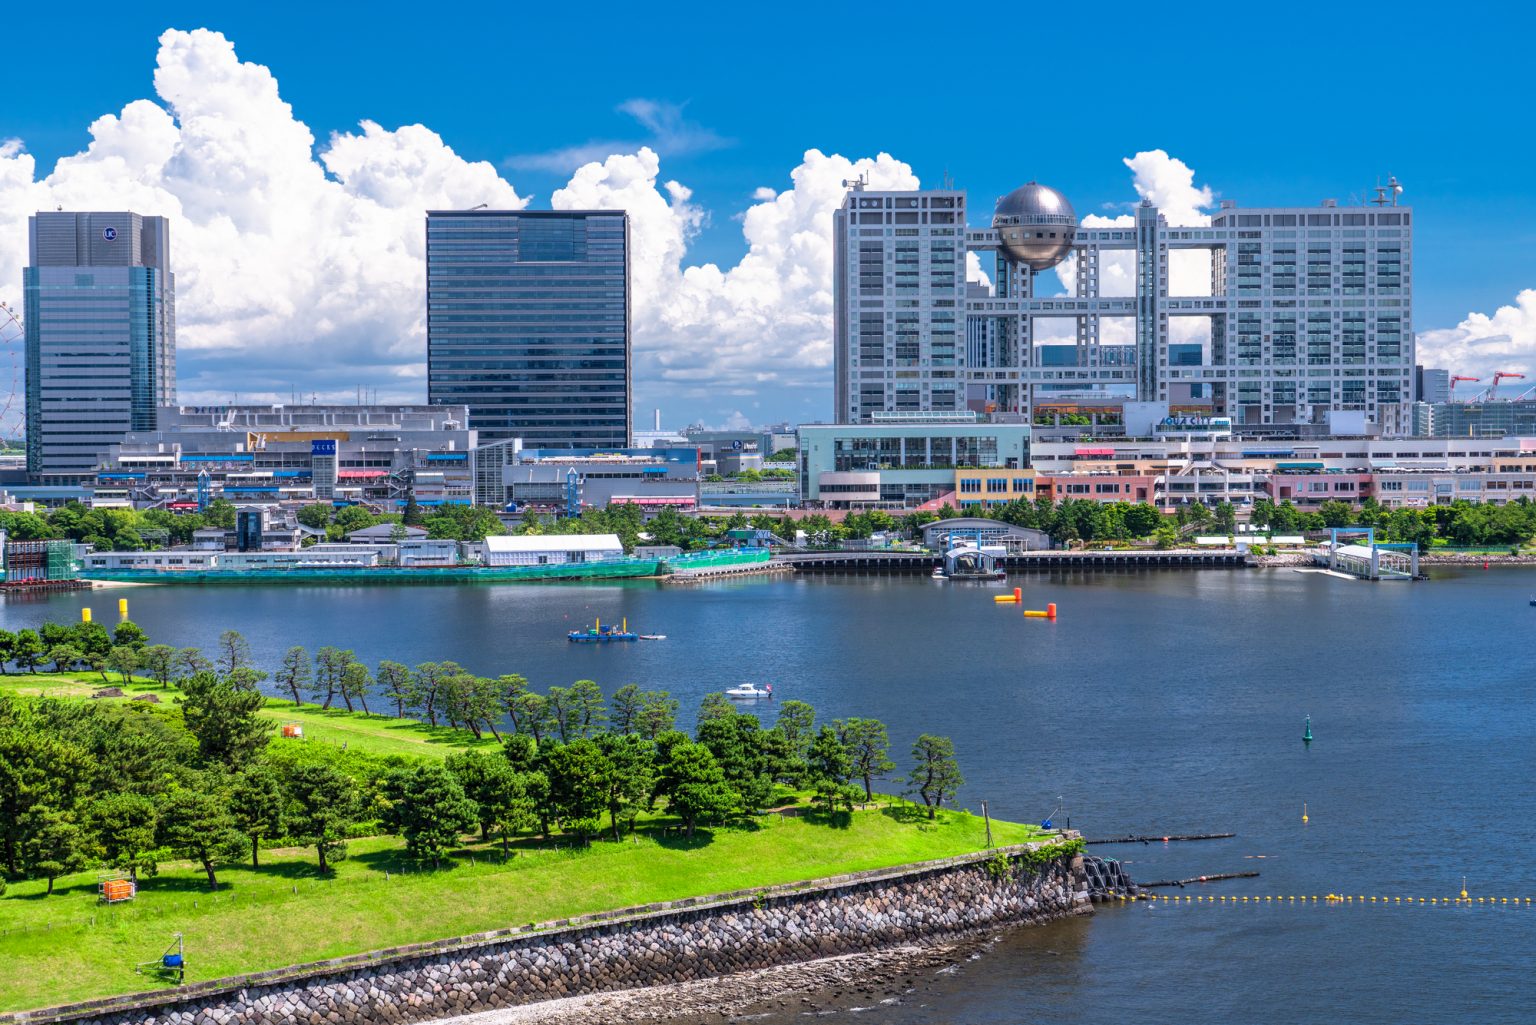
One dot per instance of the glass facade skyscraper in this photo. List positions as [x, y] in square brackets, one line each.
[528, 324]
[99, 311]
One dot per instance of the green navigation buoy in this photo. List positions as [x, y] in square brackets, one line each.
[1306, 736]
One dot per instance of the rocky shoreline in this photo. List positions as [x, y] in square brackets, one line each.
[1433, 558]
[865, 979]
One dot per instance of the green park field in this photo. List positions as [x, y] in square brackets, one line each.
[68, 947]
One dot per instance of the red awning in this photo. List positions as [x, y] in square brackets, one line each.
[679, 500]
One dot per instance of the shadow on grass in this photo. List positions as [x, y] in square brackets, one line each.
[907, 813]
[681, 841]
[835, 820]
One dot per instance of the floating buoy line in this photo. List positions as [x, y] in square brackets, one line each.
[1327, 898]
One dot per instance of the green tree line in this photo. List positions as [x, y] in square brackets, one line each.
[128, 785]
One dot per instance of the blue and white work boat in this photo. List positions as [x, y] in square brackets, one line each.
[600, 634]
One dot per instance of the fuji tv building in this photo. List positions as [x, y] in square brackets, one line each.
[1305, 324]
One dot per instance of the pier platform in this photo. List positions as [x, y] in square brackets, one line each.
[920, 562]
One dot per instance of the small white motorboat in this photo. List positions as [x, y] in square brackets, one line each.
[749, 691]
[653, 637]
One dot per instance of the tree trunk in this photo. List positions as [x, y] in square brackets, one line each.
[493, 730]
[321, 849]
[50, 887]
[613, 817]
[255, 852]
[348, 699]
[213, 883]
[330, 693]
[364, 699]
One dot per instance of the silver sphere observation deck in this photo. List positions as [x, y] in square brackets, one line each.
[1036, 225]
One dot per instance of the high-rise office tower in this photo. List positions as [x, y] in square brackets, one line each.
[899, 267]
[528, 323]
[1307, 315]
[99, 310]
[1432, 384]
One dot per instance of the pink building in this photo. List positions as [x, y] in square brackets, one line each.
[1309, 490]
[1096, 487]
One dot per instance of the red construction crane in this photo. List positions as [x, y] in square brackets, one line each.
[1458, 377]
[1499, 375]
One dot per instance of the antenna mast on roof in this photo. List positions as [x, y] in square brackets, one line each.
[1386, 195]
[857, 184]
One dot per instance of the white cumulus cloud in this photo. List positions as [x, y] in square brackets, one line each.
[291, 272]
[301, 268]
[1482, 344]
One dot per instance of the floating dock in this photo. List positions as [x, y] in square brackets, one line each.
[922, 562]
[1372, 560]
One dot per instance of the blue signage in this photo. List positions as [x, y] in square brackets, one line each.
[110, 234]
[323, 447]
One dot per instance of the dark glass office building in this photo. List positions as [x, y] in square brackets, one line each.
[100, 314]
[528, 324]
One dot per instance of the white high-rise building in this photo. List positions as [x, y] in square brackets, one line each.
[1307, 317]
[900, 296]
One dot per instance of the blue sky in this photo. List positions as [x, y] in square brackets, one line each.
[1268, 106]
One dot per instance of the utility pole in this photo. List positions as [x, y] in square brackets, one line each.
[988, 820]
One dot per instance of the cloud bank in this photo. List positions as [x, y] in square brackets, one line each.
[300, 266]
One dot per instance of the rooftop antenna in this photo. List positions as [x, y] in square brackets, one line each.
[857, 184]
[1386, 195]
[948, 183]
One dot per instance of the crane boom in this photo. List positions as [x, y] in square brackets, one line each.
[1499, 375]
[1460, 377]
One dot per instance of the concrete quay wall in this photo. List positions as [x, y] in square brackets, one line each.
[681, 941]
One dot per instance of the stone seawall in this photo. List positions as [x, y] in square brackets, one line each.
[678, 942]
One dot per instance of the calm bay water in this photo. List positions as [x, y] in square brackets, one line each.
[1158, 703]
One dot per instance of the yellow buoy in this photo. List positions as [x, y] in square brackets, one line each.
[122, 606]
[85, 615]
[1463, 887]
[1303, 813]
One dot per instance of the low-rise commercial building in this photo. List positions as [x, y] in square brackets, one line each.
[565, 481]
[551, 549]
[904, 462]
[1104, 487]
[942, 535]
[985, 488]
[269, 455]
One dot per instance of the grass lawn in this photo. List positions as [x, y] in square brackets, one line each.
[380, 733]
[66, 947]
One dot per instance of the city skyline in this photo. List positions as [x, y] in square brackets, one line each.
[731, 280]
